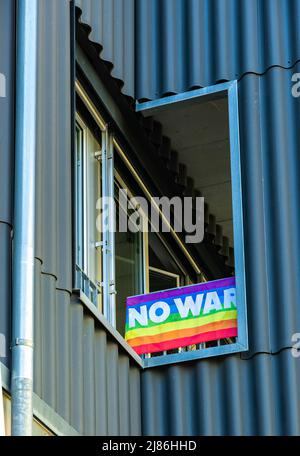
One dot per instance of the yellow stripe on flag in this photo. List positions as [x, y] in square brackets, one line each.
[181, 324]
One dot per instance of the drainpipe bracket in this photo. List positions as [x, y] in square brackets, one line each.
[24, 342]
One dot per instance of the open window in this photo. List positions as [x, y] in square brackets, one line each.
[203, 129]
[113, 265]
[88, 239]
[110, 264]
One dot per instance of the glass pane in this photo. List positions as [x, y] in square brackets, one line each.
[93, 193]
[164, 271]
[129, 270]
[87, 192]
[79, 197]
[160, 280]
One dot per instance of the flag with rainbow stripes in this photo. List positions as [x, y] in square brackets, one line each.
[183, 316]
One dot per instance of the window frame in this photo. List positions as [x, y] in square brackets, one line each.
[229, 89]
[108, 306]
[83, 269]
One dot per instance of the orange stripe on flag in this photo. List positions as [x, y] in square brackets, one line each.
[198, 338]
[182, 333]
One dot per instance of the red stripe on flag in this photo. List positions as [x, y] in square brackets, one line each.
[184, 341]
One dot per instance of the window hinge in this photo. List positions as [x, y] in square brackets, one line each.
[98, 244]
[98, 155]
[112, 289]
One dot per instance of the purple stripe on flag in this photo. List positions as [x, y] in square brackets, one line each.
[200, 287]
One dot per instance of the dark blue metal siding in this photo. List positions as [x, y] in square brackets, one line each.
[269, 119]
[112, 26]
[180, 44]
[80, 371]
[226, 396]
[184, 44]
[199, 43]
[257, 392]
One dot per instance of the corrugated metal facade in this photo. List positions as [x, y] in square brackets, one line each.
[112, 25]
[179, 44]
[199, 43]
[184, 44]
[79, 370]
[224, 397]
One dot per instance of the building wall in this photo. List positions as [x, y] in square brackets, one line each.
[112, 27]
[255, 393]
[257, 43]
[185, 44]
[80, 370]
[179, 45]
[225, 396]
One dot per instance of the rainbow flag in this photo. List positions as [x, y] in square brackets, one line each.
[183, 316]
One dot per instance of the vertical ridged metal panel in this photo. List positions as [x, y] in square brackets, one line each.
[63, 337]
[257, 392]
[184, 44]
[80, 371]
[269, 119]
[112, 26]
[7, 65]
[227, 396]
[53, 203]
[89, 375]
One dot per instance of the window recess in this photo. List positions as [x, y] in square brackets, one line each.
[202, 129]
[127, 263]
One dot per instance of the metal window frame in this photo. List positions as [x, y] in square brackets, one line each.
[108, 175]
[108, 236]
[229, 90]
[107, 188]
[83, 216]
[78, 197]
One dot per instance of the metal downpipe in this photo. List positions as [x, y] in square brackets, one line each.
[24, 219]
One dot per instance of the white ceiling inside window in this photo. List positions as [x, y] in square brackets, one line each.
[199, 132]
